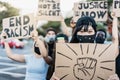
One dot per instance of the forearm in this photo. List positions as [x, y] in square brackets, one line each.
[115, 34]
[48, 60]
[64, 28]
[8, 50]
[16, 57]
[115, 30]
[42, 47]
[43, 51]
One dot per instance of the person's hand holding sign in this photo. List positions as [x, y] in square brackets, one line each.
[85, 67]
[4, 36]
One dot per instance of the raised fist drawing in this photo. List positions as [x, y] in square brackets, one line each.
[85, 68]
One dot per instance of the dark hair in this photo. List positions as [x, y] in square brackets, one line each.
[83, 22]
[61, 35]
[103, 31]
[51, 29]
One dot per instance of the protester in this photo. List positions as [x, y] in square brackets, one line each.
[85, 32]
[110, 25]
[61, 38]
[100, 36]
[68, 30]
[50, 40]
[37, 63]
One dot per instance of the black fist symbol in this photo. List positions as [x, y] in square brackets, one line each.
[85, 68]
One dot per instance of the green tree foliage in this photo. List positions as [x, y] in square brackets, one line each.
[7, 11]
[52, 24]
[56, 25]
[67, 21]
[100, 25]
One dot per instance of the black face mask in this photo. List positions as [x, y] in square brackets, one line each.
[100, 39]
[36, 50]
[86, 39]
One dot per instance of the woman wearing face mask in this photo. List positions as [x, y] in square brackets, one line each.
[85, 32]
[50, 40]
[50, 36]
[37, 63]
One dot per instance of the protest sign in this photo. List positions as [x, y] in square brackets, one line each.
[19, 26]
[84, 61]
[49, 10]
[94, 9]
[116, 7]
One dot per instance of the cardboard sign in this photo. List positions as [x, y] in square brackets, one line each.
[95, 9]
[19, 26]
[49, 10]
[86, 61]
[116, 7]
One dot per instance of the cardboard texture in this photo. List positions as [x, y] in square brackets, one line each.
[116, 7]
[86, 61]
[19, 26]
[96, 9]
[49, 10]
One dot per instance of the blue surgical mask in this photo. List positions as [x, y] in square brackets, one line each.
[49, 39]
[100, 37]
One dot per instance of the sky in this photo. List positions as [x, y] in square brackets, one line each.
[30, 6]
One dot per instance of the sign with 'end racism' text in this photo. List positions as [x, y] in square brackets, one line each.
[94, 9]
[19, 26]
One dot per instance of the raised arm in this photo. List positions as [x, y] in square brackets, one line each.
[115, 29]
[64, 27]
[44, 51]
[16, 57]
[115, 32]
[42, 47]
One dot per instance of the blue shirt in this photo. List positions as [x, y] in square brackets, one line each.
[36, 68]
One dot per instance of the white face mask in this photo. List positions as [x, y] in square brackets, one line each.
[50, 38]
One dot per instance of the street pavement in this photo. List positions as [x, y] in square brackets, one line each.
[12, 70]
